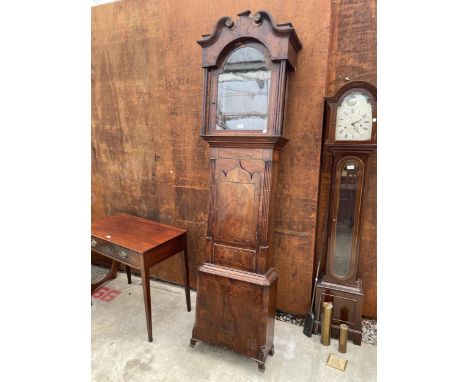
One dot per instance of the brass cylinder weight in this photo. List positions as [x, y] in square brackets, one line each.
[343, 341]
[327, 308]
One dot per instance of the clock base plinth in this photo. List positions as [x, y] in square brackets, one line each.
[236, 310]
[347, 308]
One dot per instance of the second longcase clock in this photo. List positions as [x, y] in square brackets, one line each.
[350, 138]
[246, 64]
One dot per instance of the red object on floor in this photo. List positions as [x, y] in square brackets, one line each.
[105, 294]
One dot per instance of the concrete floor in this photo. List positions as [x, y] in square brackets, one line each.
[121, 352]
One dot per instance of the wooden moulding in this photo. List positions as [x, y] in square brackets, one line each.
[366, 148]
[254, 278]
[246, 141]
[280, 39]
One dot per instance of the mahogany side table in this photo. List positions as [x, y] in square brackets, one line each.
[138, 243]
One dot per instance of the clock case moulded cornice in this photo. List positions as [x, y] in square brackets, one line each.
[262, 24]
[246, 141]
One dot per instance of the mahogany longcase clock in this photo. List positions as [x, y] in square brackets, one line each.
[350, 137]
[246, 64]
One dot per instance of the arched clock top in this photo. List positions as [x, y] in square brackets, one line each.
[280, 40]
[351, 117]
[353, 86]
[256, 51]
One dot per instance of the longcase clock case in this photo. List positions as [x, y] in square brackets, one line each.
[246, 64]
[350, 137]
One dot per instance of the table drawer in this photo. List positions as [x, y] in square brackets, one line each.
[115, 251]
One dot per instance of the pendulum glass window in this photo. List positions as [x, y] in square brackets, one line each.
[349, 183]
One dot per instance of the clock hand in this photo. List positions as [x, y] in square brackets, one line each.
[359, 120]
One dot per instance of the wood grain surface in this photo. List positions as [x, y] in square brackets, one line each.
[147, 155]
[137, 234]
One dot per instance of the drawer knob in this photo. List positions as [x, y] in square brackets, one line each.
[93, 243]
[122, 254]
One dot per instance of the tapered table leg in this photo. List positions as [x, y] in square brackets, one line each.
[186, 278]
[129, 274]
[147, 298]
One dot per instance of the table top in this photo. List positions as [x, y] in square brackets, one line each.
[135, 233]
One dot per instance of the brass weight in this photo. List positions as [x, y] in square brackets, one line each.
[326, 323]
[342, 344]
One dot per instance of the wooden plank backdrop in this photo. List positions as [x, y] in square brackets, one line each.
[148, 157]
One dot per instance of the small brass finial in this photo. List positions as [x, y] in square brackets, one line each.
[229, 23]
[257, 18]
[342, 344]
[325, 325]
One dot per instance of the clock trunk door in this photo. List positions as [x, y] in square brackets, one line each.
[345, 219]
[236, 217]
[237, 197]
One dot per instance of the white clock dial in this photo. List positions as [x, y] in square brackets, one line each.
[354, 118]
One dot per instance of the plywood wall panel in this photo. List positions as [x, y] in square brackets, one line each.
[132, 160]
[353, 45]
[295, 270]
[148, 157]
[368, 259]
